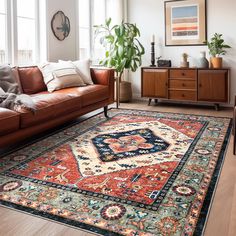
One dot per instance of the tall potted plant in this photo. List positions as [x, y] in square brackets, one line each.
[123, 51]
[217, 48]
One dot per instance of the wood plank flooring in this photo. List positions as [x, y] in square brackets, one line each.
[222, 217]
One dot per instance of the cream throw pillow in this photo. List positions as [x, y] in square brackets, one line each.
[83, 68]
[60, 75]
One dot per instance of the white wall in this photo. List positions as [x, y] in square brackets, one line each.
[66, 49]
[149, 17]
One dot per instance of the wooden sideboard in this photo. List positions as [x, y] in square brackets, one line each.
[186, 84]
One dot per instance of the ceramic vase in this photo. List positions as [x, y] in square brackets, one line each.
[203, 62]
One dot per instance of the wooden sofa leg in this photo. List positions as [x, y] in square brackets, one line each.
[234, 130]
[105, 111]
[234, 139]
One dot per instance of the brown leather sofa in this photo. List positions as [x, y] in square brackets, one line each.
[53, 109]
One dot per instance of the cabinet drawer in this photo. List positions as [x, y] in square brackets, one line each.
[182, 95]
[182, 84]
[183, 73]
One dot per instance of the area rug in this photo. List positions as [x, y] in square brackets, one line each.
[137, 173]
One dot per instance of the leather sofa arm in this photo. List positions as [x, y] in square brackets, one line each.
[104, 76]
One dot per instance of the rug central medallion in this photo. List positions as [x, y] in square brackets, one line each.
[130, 146]
[115, 146]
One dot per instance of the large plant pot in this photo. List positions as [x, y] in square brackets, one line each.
[216, 62]
[125, 91]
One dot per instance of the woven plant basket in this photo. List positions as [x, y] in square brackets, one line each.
[125, 91]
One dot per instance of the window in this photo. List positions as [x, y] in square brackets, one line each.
[18, 39]
[26, 19]
[3, 46]
[84, 28]
[95, 12]
[91, 12]
[98, 17]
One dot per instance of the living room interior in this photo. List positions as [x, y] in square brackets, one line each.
[114, 119]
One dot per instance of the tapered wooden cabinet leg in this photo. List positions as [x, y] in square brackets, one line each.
[149, 101]
[105, 111]
[156, 101]
[217, 107]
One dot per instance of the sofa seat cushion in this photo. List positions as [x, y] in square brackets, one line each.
[49, 106]
[89, 94]
[94, 93]
[9, 120]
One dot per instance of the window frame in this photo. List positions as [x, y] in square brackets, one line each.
[12, 33]
[91, 18]
[4, 14]
[91, 8]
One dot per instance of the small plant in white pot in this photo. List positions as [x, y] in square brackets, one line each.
[217, 48]
[123, 51]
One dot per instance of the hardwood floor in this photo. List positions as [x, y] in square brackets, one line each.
[222, 217]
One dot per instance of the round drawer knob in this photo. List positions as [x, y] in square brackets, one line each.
[183, 95]
[183, 74]
[183, 84]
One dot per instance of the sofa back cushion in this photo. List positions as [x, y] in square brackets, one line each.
[17, 78]
[31, 80]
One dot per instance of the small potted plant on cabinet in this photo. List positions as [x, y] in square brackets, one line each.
[123, 51]
[217, 48]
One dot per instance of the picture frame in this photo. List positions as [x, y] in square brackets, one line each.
[185, 23]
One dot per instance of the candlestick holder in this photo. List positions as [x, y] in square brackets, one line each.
[152, 54]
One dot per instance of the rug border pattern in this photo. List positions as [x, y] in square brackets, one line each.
[205, 208]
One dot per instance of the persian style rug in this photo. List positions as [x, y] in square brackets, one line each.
[137, 173]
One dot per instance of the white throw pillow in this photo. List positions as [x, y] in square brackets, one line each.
[60, 75]
[83, 68]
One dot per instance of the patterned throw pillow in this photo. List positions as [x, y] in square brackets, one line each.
[61, 75]
[83, 69]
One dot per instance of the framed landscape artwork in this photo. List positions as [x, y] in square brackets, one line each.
[185, 22]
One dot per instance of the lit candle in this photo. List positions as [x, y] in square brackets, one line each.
[153, 39]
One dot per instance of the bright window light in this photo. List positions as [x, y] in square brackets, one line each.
[84, 29]
[3, 46]
[26, 31]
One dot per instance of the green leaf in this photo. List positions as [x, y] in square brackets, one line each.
[216, 45]
[108, 22]
[123, 48]
[120, 51]
[117, 31]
